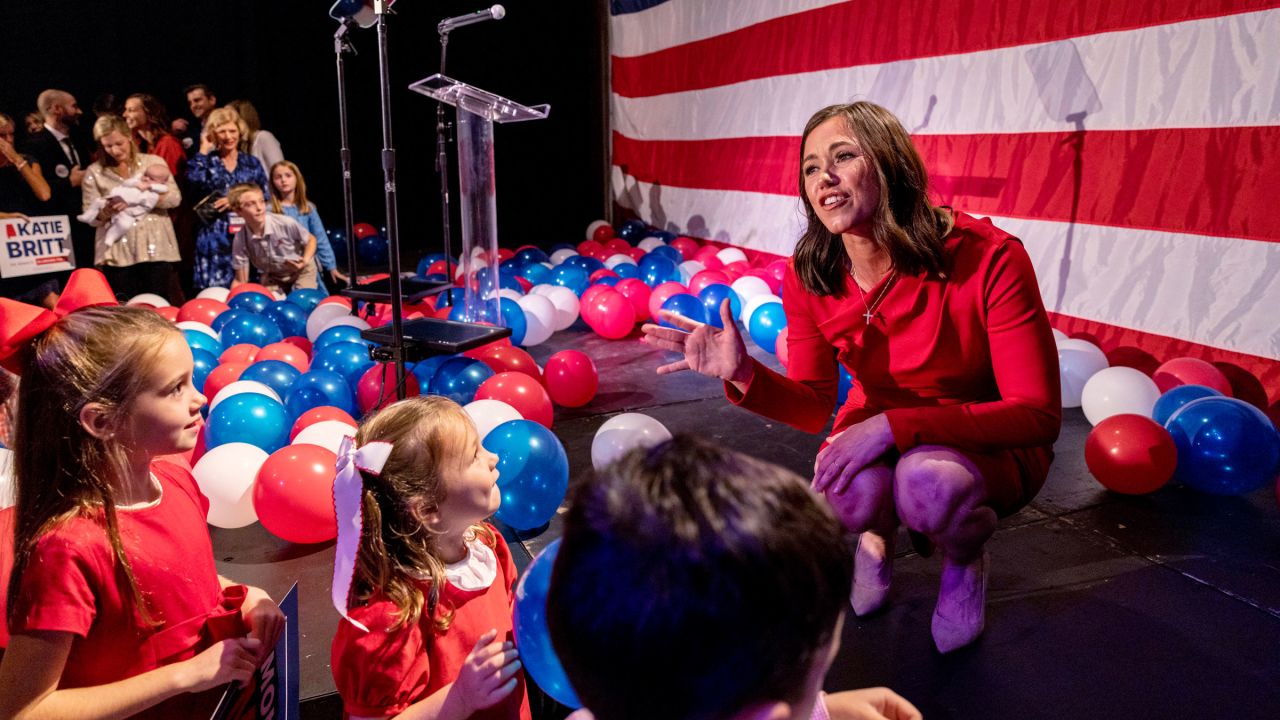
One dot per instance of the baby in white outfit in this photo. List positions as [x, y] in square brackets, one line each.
[140, 194]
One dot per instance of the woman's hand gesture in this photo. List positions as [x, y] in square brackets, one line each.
[714, 352]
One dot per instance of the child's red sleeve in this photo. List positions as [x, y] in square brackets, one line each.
[381, 672]
[57, 591]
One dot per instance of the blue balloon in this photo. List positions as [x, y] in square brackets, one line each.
[307, 299]
[372, 250]
[632, 229]
[508, 281]
[536, 273]
[686, 305]
[1173, 400]
[669, 253]
[459, 314]
[197, 340]
[319, 387]
[513, 317]
[533, 472]
[290, 318]
[586, 262]
[456, 296]
[253, 329]
[249, 418]
[275, 374]
[842, 390]
[666, 235]
[204, 363]
[713, 295]
[337, 334]
[607, 280]
[347, 359]
[656, 269]
[426, 369]
[1225, 446]
[532, 638]
[423, 265]
[459, 378]
[254, 302]
[766, 322]
[627, 270]
[532, 255]
[338, 241]
[225, 317]
[572, 277]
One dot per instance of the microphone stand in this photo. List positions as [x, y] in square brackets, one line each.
[341, 44]
[381, 8]
[442, 169]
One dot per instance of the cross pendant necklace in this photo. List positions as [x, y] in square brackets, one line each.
[870, 314]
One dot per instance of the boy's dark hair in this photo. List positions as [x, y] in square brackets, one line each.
[694, 581]
[198, 86]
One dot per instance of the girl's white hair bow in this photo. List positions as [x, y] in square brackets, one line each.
[348, 491]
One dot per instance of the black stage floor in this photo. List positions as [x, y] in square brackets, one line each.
[1100, 605]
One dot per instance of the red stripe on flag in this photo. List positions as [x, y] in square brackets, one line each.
[1209, 181]
[880, 31]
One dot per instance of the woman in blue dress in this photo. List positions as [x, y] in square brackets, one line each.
[219, 165]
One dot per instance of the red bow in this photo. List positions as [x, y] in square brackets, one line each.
[20, 323]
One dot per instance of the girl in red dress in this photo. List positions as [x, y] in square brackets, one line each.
[937, 315]
[115, 607]
[430, 632]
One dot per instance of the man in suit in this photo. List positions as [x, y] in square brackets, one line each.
[202, 101]
[63, 156]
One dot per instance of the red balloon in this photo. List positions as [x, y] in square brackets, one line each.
[784, 354]
[661, 293]
[377, 387]
[572, 379]
[363, 230]
[301, 343]
[168, 312]
[636, 254]
[201, 310]
[336, 299]
[589, 247]
[249, 287]
[521, 392]
[774, 283]
[475, 353]
[320, 414]
[505, 254]
[1191, 371]
[601, 273]
[437, 267]
[525, 284]
[222, 376]
[242, 353]
[617, 246]
[610, 314]
[703, 278]
[634, 290]
[1130, 454]
[511, 359]
[604, 233]
[777, 268]
[687, 246]
[287, 353]
[293, 494]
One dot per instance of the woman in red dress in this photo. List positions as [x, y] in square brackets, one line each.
[954, 407]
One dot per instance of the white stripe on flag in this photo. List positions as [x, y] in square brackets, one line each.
[1185, 75]
[677, 22]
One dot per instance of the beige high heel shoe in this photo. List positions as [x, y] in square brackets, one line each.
[872, 573]
[961, 612]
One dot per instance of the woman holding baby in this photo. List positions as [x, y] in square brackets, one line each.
[141, 260]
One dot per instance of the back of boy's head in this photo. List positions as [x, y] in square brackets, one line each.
[693, 582]
[428, 433]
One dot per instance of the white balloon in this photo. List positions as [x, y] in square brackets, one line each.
[7, 489]
[489, 414]
[1078, 360]
[539, 319]
[1059, 336]
[215, 293]
[754, 304]
[509, 293]
[731, 255]
[651, 242]
[242, 386]
[319, 318]
[561, 255]
[615, 260]
[749, 286]
[327, 434]
[199, 327]
[540, 289]
[622, 433]
[566, 303]
[151, 299]
[354, 321]
[1117, 391]
[225, 475]
[689, 268]
[595, 225]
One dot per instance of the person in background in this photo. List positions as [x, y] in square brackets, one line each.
[289, 197]
[23, 191]
[696, 582]
[34, 123]
[62, 157]
[142, 261]
[258, 143]
[149, 122]
[212, 172]
[201, 101]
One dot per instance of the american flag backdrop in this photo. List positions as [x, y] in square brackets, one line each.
[1133, 146]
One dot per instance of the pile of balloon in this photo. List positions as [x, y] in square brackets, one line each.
[1179, 423]
[371, 245]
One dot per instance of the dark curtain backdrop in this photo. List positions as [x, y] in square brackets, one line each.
[280, 56]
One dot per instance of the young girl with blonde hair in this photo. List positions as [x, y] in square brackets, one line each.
[289, 197]
[114, 604]
[429, 632]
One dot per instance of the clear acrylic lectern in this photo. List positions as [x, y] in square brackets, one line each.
[477, 110]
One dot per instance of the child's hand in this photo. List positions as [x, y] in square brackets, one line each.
[227, 661]
[265, 620]
[489, 673]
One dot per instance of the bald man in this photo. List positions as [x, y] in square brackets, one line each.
[63, 157]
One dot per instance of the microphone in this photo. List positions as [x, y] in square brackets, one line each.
[497, 12]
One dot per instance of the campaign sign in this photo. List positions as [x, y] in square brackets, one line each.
[273, 693]
[36, 245]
